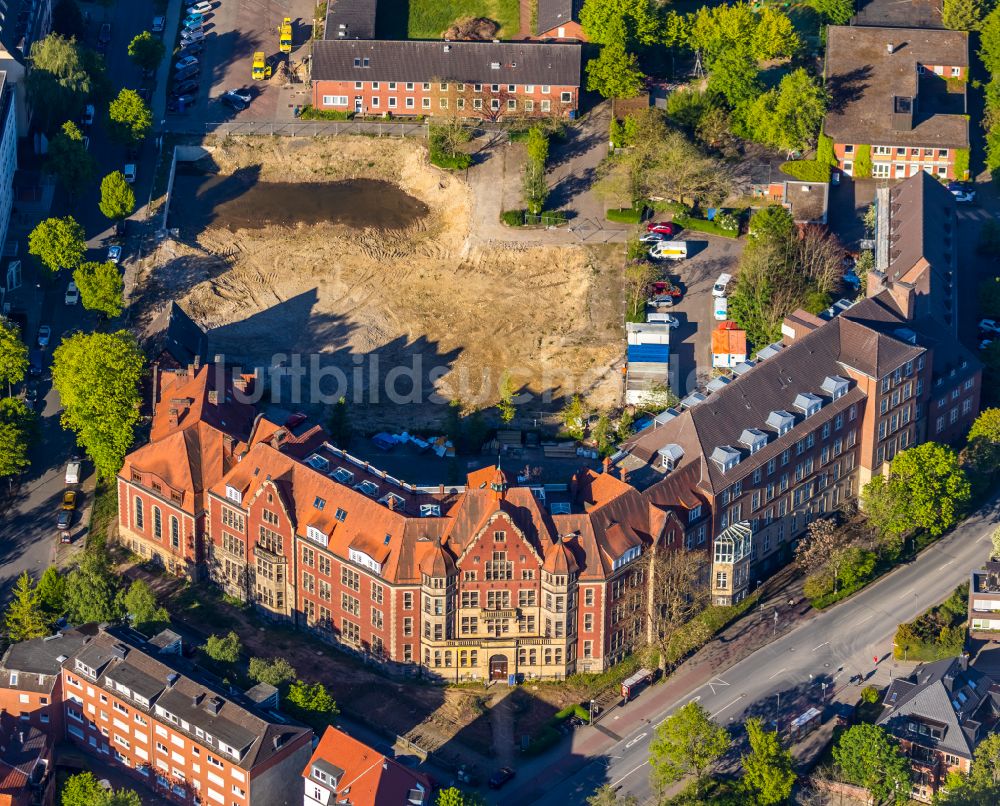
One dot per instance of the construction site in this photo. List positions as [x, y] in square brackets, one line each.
[355, 252]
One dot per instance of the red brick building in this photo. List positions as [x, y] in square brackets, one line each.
[559, 19]
[343, 768]
[900, 94]
[131, 702]
[484, 80]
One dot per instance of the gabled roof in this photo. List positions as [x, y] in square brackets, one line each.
[466, 62]
[372, 779]
[551, 14]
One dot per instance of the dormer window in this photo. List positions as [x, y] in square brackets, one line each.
[835, 386]
[343, 475]
[670, 456]
[753, 438]
[369, 488]
[317, 535]
[393, 501]
[808, 403]
[781, 421]
[430, 510]
[233, 494]
[317, 462]
[626, 558]
[726, 457]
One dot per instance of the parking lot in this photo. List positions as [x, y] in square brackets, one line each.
[234, 30]
[691, 342]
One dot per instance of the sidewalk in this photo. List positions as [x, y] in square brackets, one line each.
[159, 100]
[740, 639]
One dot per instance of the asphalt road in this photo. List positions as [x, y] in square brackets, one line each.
[785, 678]
[28, 538]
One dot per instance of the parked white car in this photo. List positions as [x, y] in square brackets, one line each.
[203, 7]
[72, 294]
[719, 289]
[721, 308]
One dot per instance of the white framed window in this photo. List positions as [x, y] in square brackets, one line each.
[494, 104]
[375, 85]
[410, 103]
[881, 151]
[938, 70]
[477, 87]
[409, 86]
[511, 104]
[392, 103]
[375, 102]
[848, 167]
[392, 85]
[477, 103]
[529, 106]
[460, 103]
[328, 100]
[546, 89]
[443, 102]
[359, 85]
[956, 72]
[425, 103]
[880, 170]
[427, 86]
[566, 97]
[546, 105]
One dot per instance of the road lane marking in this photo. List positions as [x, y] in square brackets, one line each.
[945, 565]
[716, 681]
[782, 669]
[859, 623]
[724, 707]
[631, 742]
[825, 643]
[626, 775]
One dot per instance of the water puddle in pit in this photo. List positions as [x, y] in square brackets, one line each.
[240, 201]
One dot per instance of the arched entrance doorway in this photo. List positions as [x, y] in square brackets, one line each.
[498, 667]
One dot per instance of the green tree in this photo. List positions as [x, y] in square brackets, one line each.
[775, 36]
[453, 796]
[506, 404]
[57, 83]
[624, 428]
[312, 698]
[275, 671]
[140, 605]
[602, 434]
[789, 116]
[68, 159]
[536, 190]
[926, 489]
[25, 616]
[734, 76]
[16, 421]
[52, 592]
[340, 423]
[631, 22]
[855, 564]
[13, 353]
[870, 757]
[869, 694]
[92, 589]
[721, 29]
[573, 415]
[58, 243]
[768, 769]
[130, 118]
[97, 376]
[83, 789]
[147, 51]
[117, 198]
[686, 743]
[223, 648]
[101, 288]
[835, 12]
[963, 15]
[986, 426]
[615, 72]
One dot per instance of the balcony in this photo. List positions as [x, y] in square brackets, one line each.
[497, 612]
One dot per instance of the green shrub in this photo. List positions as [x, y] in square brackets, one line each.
[310, 112]
[512, 218]
[863, 162]
[554, 218]
[458, 161]
[626, 215]
[702, 225]
[807, 170]
[869, 694]
[728, 221]
[962, 163]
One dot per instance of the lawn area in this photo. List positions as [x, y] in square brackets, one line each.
[429, 19]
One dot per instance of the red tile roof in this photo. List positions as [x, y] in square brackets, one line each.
[372, 778]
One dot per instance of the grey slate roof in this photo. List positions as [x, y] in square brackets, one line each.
[468, 62]
[945, 694]
[861, 338]
[863, 77]
[553, 13]
[37, 662]
[350, 19]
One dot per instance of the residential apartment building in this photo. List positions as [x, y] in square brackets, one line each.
[484, 80]
[902, 93]
[136, 704]
[984, 602]
[939, 714]
[342, 769]
[8, 153]
[22, 23]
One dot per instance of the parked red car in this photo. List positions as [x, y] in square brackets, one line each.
[663, 227]
[662, 287]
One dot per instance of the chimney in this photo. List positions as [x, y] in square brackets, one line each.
[606, 464]
[213, 397]
[197, 362]
[156, 383]
[963, 661]
[624, 476]
[392, 503]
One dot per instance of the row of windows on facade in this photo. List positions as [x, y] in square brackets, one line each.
[175, 495]
[140, 523]
[953, 415]
[526, 656]
[495, 104]
[897, 170]
[904, 151]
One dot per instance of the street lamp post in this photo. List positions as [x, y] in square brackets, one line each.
[774, 632]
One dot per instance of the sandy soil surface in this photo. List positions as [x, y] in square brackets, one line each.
[455, 313]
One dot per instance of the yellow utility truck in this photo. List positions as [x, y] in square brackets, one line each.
[285, 35]
[261, 70]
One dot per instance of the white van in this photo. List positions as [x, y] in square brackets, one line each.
[721, 308]
[719, 289]
[669, 250]
[73, 471]
[188, 35]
